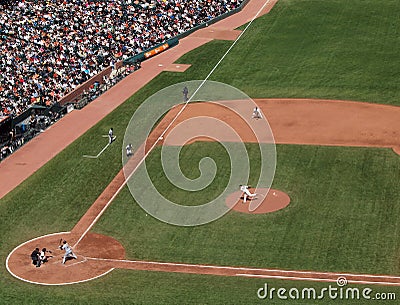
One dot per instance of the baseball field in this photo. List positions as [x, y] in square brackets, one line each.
[343, 186]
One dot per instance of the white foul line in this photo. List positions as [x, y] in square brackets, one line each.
[295, 278]
[98, 155]
[280, 277]
[76, 263]
[242, 269]
[169, 125]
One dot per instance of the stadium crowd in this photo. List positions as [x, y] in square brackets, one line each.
[50, 47]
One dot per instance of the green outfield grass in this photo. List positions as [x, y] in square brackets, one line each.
[327, 49]
[343, 216]
[139, 287]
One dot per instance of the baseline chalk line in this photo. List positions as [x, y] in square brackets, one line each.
[99, 154]
[170, 124]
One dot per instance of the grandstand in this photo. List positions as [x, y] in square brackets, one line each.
[57, 49]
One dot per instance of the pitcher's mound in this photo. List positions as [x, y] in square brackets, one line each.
[261, 203]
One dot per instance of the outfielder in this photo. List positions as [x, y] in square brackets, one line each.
[68, 251]
[246, 192]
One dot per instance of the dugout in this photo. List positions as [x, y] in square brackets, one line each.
[5, 128]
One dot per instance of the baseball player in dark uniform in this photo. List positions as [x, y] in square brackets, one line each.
[35, 257]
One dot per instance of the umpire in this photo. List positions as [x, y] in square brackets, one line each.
[35, 257]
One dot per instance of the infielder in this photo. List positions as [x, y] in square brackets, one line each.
[257, 113]
[246, 192]
[68, 251]
[129, 150]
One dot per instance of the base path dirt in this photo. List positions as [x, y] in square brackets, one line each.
[327, 122]
[305, 121]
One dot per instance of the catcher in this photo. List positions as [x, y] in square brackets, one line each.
[68, 251]
[43, 257]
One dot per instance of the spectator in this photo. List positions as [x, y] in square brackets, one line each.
[49, 48]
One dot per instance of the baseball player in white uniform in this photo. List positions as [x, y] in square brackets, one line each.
[43, 257]
[257, 113]
[129, 150]
[110, 136]
[68, 251]
[246, 192]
